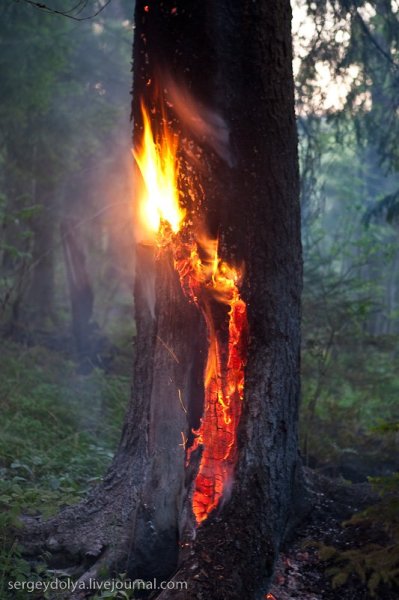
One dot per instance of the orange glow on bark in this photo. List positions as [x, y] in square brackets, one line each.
[212, 285]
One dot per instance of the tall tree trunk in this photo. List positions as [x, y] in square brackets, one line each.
[40, 297]
[80, 289]
[236, 57]
[16, 244]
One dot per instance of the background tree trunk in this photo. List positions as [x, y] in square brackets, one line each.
[80, 288]
[40, 303]
[235, 57]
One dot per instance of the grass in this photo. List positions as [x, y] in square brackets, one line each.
[58, 432]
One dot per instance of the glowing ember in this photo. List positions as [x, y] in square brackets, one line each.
[212, 284]
[209, 282]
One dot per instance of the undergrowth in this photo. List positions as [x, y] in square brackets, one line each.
[348, 406]
[58, 432]
[376, 562]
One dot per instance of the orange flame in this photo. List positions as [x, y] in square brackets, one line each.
[213, 285]
[158, 192]
[210, 282]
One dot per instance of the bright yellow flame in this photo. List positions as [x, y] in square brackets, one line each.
[207, 280]
[158, 196]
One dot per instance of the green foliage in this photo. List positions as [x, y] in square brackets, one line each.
[350, 320]
[57, 436]
[64, 116]
[355, 40]
[373, 563]
[386, 427]
[15, 251]
[386, 207]
[29, 62]
[386, 511]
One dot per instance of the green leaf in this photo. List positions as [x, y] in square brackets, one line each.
[339, 579]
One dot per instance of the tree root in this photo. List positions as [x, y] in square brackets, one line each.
[89, 537]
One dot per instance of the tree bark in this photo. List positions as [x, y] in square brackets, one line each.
[235, 57]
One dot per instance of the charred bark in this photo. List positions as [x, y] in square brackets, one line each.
[245, 48]
[234, 57]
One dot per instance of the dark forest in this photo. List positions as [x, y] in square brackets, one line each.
[199, 299]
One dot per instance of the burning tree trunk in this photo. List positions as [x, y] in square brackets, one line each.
[206, 479]
[245, 191]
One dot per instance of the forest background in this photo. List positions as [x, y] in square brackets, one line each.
[67, 248]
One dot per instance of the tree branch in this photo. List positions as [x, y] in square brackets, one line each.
[373, 40]
[68, 14]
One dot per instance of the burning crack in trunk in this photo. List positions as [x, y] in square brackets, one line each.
[213, 286]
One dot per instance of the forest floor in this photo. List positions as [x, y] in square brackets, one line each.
[58, 432]
[326, 558]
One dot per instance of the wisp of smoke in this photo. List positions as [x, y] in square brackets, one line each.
[206, 125]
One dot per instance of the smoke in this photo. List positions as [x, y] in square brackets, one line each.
[201, 122]
[227, 490]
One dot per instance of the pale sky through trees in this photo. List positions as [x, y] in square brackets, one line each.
[330, 88]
